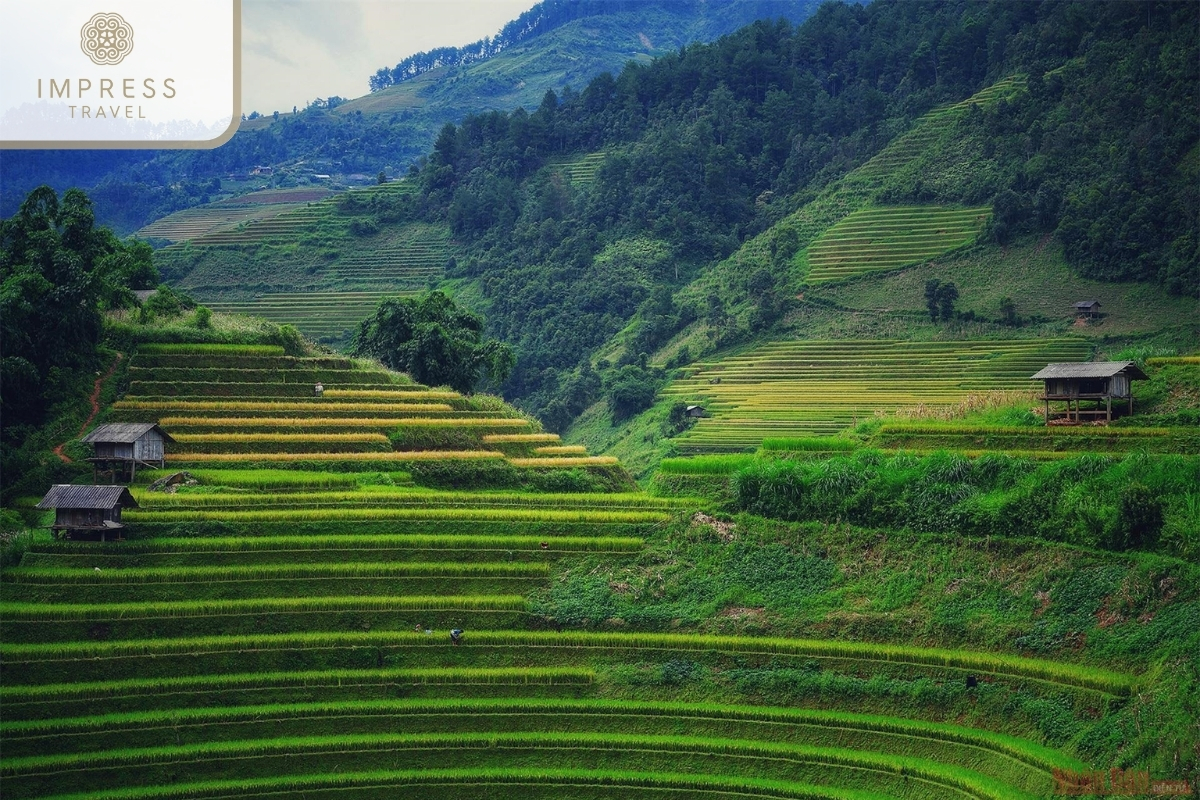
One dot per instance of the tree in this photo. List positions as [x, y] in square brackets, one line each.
[631, 389]
[57, 272]
[947, 294]
[1008, 311]
[931, 298]
[434, 341]
[939, 299]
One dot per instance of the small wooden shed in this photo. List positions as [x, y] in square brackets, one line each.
[1097, 380]
[1088, 308]
[696, 412]
[87, 509]
[121, 446]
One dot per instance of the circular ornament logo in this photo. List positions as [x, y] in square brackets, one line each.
[106, 39]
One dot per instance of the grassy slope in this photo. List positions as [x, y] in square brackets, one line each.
[312, 639]
[890, 304]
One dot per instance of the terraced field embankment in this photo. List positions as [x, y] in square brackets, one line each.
[806, 388]
[321, 265]
[282, 628]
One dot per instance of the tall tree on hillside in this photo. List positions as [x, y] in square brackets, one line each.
[58, 271]
[434, 341]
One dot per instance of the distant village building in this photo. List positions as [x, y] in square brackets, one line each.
[87, 510]
[1088, 308]
[263, 171]
[1101, 381]
[122, 446]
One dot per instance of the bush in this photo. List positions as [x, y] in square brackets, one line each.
[1140, 502]
[1139, 519]
[630, 391]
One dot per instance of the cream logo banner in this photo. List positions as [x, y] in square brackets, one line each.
[119, 73]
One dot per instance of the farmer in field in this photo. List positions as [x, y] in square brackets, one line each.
[456, 635]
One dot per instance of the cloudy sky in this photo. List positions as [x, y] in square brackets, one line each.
[296, 50]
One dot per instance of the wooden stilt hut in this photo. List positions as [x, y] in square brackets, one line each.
[1099, 381]
[122, 446]
[87, 510]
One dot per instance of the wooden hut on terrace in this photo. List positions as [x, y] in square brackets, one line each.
[121, 446]
[1102, 381]
[1088, 308]
[87, 509]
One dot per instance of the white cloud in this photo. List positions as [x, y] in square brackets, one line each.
[297, 50]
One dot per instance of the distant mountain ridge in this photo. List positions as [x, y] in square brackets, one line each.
[551, 14]
[555, 44]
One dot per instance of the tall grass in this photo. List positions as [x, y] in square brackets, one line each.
[282, 438]
[705, 465]
[218, 349]
[490, 711]
[809, 443]
[322, 514]
[391, 496]
[515, 438]
[1031, 431]
[282, 406]
[390, 394]
[277, 479]
[66, 612]
[971, 783]
[336, 543]
[630, 783]
[407, 455]
[171, 423]
[183, 684]
[1003, 665]
[274, 572]
[565, 461]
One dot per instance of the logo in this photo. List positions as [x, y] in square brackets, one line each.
[106, 39]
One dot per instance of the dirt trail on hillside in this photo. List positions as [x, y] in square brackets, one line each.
[95, 401]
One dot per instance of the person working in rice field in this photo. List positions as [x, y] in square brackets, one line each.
[456, 635]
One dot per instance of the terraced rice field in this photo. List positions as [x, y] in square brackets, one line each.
[288, 636]
[802, 389]
[326, 300]
[317, 314]
[192, 223]
[881, 238]
[581, 170]
[861, 187]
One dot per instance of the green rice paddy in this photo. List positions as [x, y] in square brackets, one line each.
[801, 389]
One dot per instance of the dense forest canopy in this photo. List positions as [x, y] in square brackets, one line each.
[58, 273]
[716, 142]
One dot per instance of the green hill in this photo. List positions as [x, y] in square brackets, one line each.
[279, 622]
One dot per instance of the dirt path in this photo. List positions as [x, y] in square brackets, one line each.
[95, 401]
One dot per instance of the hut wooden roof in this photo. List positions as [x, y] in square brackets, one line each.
[124, 432]
[1090, 369]
[1087, 304]
[68, 496]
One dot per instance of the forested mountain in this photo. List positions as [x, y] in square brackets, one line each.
[716, 143]
[708, 20]
[555, 44]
